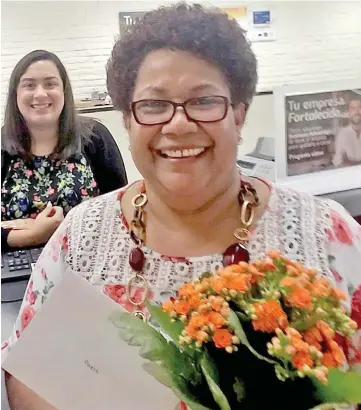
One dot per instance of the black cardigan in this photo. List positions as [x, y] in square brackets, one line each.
[103, 157]
[105, 160]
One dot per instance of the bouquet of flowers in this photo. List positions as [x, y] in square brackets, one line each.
[250, 336]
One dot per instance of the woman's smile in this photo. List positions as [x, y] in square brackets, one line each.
[182, 154]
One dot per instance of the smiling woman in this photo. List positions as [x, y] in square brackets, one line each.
[52, 159]
[40, 95]
[183, 77]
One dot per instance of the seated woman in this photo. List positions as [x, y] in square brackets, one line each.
[186, 99]
[52, 159]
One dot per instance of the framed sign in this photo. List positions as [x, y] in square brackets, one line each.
[130, 17]
[261, 17]
[318, 142]
[238, 13]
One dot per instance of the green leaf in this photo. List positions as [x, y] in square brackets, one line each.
[342, 387]
[243, 317]
[179, 386]
[182, 364]
[154, 347]
[135, 332]
[238, 330]
[164, 374]
[182, 391]
[159, 373]
[331, 406]
[172, 329]
[280, 265]
[206, 275]
[211, 374]
[239, 389]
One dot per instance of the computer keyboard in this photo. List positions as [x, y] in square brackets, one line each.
[16, 265]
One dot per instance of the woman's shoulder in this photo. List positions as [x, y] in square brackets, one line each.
[299, 204]
[301, 226]
[97, 139]
[306, 202]
[98, 127]
[317, 213]
[97, 131]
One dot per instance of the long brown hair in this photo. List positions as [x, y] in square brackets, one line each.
[73, 129]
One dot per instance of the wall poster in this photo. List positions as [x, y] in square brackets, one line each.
[323, 131]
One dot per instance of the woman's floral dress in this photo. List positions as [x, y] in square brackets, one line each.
[28, 186]
[94, 242]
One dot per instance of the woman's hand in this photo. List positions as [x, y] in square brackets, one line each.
[46, 222]
[30, 232]
[18, 224]
[22, 398]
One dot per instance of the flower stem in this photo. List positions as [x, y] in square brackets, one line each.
[331, 406]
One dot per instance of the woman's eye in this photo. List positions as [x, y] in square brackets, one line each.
[204, 101]
[155, 105]
[51, 85]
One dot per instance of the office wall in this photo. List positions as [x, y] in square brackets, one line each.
[315, 40]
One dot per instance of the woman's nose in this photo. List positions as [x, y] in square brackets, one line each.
[40, 91]
[180, 124]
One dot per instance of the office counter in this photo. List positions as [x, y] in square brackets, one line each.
[351, 200]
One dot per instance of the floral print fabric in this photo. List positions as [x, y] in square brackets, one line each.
[29, 186]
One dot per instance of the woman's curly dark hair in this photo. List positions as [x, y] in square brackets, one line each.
[208, 33]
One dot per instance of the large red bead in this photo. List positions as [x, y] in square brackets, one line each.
[137, 259]
[234, 254]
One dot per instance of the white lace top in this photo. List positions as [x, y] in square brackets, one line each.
[94, 242]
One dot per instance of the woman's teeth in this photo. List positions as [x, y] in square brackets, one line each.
[40, 105]
[184, 153]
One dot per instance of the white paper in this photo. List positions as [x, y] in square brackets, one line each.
[72, 355]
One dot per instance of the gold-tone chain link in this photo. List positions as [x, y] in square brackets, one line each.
[137, 225]
[248, 200]
[138, 234]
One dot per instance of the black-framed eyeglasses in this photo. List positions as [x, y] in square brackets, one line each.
[208, 109]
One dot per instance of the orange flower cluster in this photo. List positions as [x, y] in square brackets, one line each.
[322, 338]
[189, 300]
[268, 316]
[209, 322]
[312, 352]
[302, 287]
[262, 292]
[204, 309]
[235, 279]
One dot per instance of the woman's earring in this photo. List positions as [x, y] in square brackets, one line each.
[240, 140]
[130, 148]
